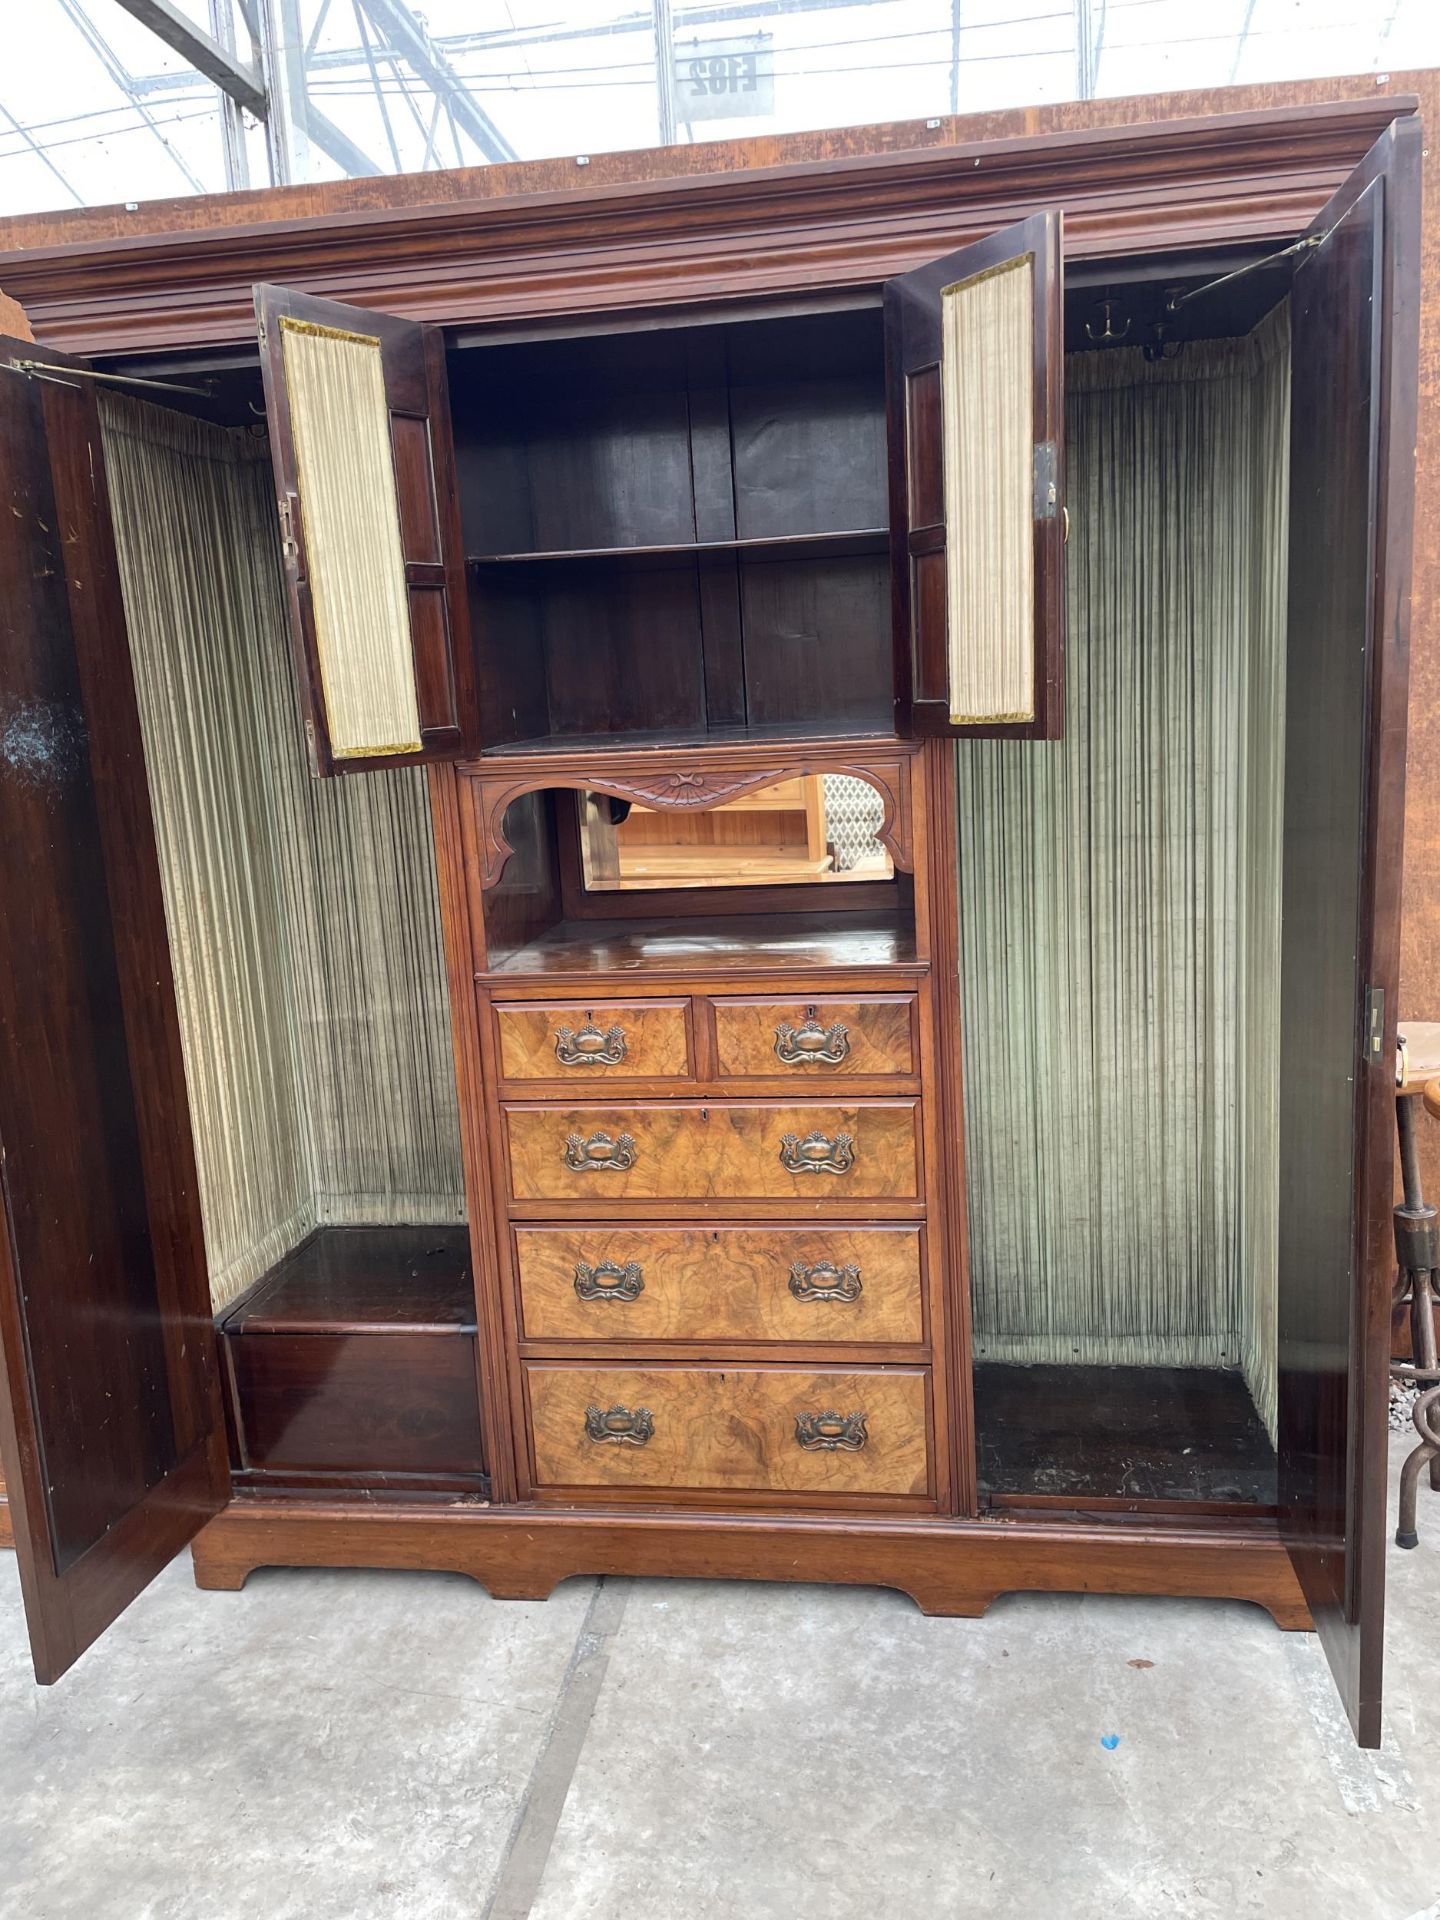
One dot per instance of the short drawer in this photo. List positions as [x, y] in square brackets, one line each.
[618, 1283]
[833, 1153]
[357, 1402]
[757, 1429]
[605, 1040]
[765, 1039]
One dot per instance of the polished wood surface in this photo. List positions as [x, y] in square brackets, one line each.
[854, 1284]
[391, 1402]
[948, 1567]
[355, 1356]
[110, 1427]
[723, 1150]
[880, 1037]
[1354, 311]
[729, 1428]
[580, 1043]
[747, 943]
[943, 1038]
[363, 1279]
[462, 926]
[816, 1327]
[761, 231]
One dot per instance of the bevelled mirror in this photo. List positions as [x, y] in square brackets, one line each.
[809, 828]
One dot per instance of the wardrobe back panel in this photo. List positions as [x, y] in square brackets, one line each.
[574, 443]
[507, 631]
[817, 641]
[622, 647]
[807, 425]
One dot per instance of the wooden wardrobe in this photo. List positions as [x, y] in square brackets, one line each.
[917, 1104]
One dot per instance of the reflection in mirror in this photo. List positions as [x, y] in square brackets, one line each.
[815, 827]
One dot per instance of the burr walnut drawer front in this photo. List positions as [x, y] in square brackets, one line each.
[604, 1040]
[620, 1283]
[758, 1429]
[832, 1153]
[820, 1038]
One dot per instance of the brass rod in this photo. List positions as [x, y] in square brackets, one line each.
[46, 371]
[1178, 300]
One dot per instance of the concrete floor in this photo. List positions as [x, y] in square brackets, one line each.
[372, 1746]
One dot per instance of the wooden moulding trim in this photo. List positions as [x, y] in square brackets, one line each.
[687, 790]
[841, 222]
[954, 1567]
[949, 1240]
[494, 1339]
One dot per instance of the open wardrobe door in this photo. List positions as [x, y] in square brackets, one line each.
[1354, 313]
[370, 527]
[975, 349]
[111, 1433]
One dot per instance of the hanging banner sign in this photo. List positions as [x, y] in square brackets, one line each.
[724, 79]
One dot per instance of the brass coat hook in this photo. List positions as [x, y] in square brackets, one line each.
[1109, 333]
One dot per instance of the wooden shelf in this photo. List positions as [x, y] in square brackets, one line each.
[837, 545]
[413, 1279]
[823, 734]
[1063, 1433]
[740, 944]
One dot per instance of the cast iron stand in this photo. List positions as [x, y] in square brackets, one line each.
[1417, 1249]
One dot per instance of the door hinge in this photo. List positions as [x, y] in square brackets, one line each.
[1375, 1025]
[1046, 480]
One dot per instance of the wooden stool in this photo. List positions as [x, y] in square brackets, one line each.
[1417, 1254]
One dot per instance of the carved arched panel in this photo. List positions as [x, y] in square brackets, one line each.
[701, 787]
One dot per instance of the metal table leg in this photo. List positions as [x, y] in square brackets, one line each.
[1417, 1284]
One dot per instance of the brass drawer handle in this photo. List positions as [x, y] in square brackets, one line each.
[812, 1045]
[609, 1281]
[825, 1281]
[620, 1426]
[600, 1154]
[589, 1047]
[830, 1432]
[817, 1154]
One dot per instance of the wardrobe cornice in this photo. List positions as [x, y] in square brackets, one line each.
[850, 221]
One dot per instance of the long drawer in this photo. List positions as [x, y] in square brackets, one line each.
[731, 1150]
[754, 1429]
[620, 1283]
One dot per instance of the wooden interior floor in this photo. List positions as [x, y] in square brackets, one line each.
[1121, 1433]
